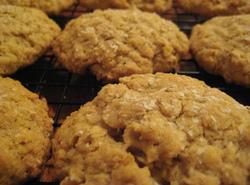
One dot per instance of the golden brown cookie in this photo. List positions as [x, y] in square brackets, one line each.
[48, 6]
[159, 6]
[25, 129]
[25, 34]
[178, 128]
[212, 8]
[116, 43]
[221, 47]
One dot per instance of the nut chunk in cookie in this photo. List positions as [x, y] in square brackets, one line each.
[155, 129]
[159, 6]
[117, 43]
[25, 34]
[25, 129]
[213, 8]
[221, 47]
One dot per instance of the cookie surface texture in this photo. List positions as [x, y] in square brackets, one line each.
[48, 6]
[25, 34]
[117, 43]
[154, 129]
[159, 6]
[221, 47]
[212, 8]
[25, 130]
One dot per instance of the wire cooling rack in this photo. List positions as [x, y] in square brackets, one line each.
[66, 92]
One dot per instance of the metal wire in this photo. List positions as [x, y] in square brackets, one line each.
[66, 92]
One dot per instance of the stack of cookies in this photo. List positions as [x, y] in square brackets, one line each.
[148, 127]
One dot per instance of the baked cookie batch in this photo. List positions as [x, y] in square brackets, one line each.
[149, 128]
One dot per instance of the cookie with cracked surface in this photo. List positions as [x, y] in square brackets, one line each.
[25, 129]
[159, 6]
[212, 8]
[117, 43]
[178, 128]
[48, 6]
[97, 158]
[221, 47]
[25, 34]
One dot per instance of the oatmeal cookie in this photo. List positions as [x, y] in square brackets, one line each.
[178, 128]
[116, 43]
[25, 129]
[25, 34]
[221, 47]
[212, 8]
[48, 6]
[159, 6]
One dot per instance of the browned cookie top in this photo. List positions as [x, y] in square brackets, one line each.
[116, 43]
[159, 6]
[25, 34]
[25, 130]
[213, 8]
[176, 127]
[222, 46]
[48, 6]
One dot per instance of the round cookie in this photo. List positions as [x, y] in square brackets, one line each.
[48, 6]
[183, 131]
[221, 47]
[116, 43]
[159, 6]
[25, 34]
[25, 129]
[212, 8]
